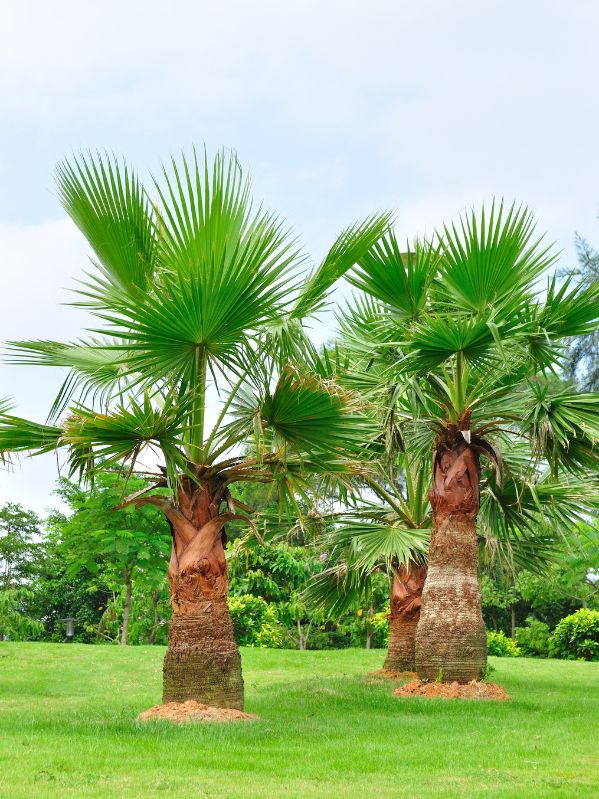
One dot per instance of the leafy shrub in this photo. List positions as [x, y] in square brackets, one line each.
[14, 622]
[576, 637]
[533, 639]
[256, 623]
[380, 629]
[500, 645]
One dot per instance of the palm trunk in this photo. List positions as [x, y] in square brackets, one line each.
[369, 615]
[155, 601]
[451, 637]
[406, 599]
[127, 608]
[202, 661]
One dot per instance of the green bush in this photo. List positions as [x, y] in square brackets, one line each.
[576, 637]
[256, 623]
[380, 629]
[500, 645]
[533, 639]
[15, 624]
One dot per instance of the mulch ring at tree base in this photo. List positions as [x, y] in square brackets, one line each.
[183, 712]
[453, 690]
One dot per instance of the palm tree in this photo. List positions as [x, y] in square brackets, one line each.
[198, 357]
[389, 535]
[468, 344]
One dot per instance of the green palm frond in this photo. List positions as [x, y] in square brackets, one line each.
[21, 435]
[124, 433]
[492, 258]
[97, 367]
[531, 551]
[399, 279]
[528, 505]
[108, 204]
[437, 338]
[563, 427]
[348, 249]
[226, 275]
[231, 264]
[211, 230]
[337, 589]
[314, 414]
[286, 339]
[373, 543]
[570, 313]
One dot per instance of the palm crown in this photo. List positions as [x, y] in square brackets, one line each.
[461, 336]
[195, 292]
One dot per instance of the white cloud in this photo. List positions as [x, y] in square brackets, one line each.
[38, 262]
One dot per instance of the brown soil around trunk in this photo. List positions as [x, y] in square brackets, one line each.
[184, 712]
[453, 690]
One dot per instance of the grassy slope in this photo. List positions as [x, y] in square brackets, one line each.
[68, 729]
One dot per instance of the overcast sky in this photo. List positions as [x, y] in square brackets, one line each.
[337, 109]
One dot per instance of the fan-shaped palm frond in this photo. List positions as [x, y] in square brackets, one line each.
[21, 435]
[399, 279]
[307, 411]
[108, 204]
[373, 543]
[350, 246]
[563, 426]
[336, 589]
[492, 257]
[96, 368]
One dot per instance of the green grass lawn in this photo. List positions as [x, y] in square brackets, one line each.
[68, 729]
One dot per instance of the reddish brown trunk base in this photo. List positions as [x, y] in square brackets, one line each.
[202, 662]
[451, 642]
[406, 599]
[401, 653]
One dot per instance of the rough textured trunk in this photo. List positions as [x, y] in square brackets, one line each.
[127, 608]
[451, 639]
[406, 599]
[202, 661]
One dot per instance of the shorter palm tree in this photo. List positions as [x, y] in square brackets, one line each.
[388, 535]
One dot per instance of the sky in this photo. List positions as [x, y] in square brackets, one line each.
[336, 108]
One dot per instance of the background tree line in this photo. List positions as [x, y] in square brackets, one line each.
[106, 568]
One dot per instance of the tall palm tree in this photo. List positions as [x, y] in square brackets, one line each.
[470, 341]
[198, 357]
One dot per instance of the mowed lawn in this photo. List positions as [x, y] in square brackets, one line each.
[68, 729]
